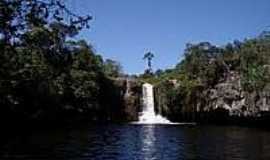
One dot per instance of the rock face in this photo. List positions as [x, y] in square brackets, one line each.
[163, 99]
[120, 100]
[229, 95]
[224, 101]
[132, 99]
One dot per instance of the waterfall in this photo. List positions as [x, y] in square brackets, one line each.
[148, 115]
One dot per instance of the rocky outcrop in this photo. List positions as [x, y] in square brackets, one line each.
[163, 98]
[132, 99]
[229, 96]
[224, 101]
[120, 100]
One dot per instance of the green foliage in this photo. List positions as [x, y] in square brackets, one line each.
[208, 65]
[205, 65]
[112, 68]
[254, 57]
[42, 74]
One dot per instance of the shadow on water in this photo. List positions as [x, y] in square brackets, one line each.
[149, 142]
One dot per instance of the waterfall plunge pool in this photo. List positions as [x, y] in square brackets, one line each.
[138, 142]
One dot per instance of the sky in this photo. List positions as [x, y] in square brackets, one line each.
[124, 30]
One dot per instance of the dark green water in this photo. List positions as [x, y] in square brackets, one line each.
[142, 142]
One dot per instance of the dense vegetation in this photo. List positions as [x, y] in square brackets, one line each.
[44, 73]
[205, 65]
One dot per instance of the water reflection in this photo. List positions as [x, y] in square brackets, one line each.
[142, 142]
[148, 139]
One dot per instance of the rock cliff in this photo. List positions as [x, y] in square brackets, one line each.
[225, 101]
[127, 100]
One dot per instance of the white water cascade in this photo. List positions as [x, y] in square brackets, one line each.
[148, 115]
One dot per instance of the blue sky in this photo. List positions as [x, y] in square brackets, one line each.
[124, 30]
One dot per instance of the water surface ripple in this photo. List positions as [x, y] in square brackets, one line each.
[139, 142]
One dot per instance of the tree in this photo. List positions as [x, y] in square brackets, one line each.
[112, 68]
[42, 72]
[149, 56]
[202, 62]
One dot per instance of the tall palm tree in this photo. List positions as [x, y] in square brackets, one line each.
[149, 56]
